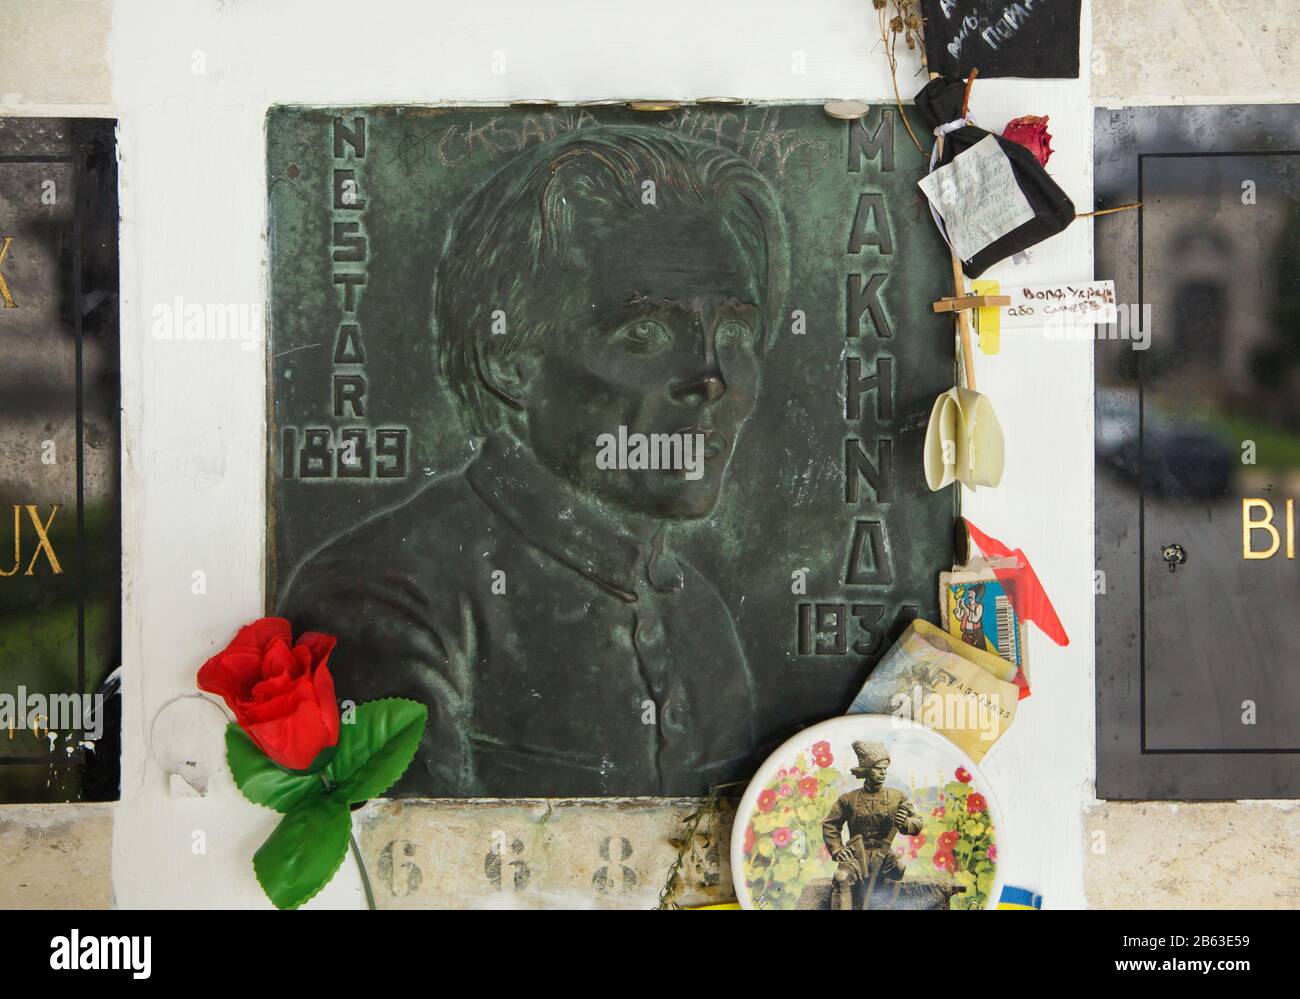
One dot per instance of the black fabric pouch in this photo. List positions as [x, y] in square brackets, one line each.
[939, 103]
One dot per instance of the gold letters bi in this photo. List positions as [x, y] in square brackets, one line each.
[1249, 524]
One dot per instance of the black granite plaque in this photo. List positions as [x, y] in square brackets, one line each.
[1198, 454]
[60, 549]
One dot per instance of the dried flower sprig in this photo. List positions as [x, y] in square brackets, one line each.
[708, 810]
[901, 18]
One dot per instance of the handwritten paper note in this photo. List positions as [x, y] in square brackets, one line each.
[1062, 311]
[1080, 303]
[977, 197]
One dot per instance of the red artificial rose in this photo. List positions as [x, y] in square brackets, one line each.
[1031, 132]
[749, 840]
[781, 837]
[766, 799]
[975, 803]
[963, 775]
[282, 695]
[808, 787]
[948, 839]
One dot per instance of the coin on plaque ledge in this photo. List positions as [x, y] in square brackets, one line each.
[846, 110]
[535, 102]
[654, 105]
[868, 812]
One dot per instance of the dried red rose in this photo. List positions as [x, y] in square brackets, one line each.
[1031, 132]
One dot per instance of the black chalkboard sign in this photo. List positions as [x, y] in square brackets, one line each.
[1029, 38]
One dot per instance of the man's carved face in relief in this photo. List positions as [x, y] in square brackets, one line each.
[630, 278]
[669, 345]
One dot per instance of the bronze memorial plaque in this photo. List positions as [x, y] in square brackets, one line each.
[599, 431]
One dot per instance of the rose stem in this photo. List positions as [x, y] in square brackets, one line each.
[365, 878]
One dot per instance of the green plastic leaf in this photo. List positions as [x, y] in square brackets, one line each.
[263, 781]
[376, 748]
[304, 852]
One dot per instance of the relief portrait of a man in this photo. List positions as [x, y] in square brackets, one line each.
[615, 280]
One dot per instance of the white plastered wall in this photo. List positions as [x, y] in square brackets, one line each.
[193, 197]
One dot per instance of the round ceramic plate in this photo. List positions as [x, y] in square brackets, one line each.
[921, 832]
